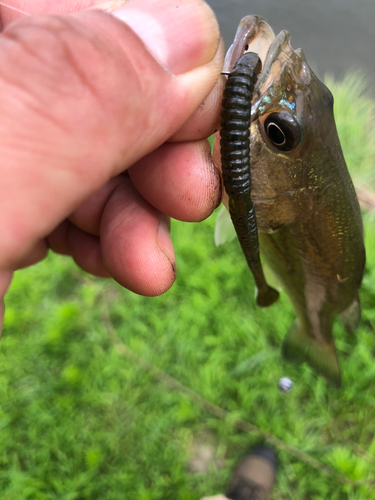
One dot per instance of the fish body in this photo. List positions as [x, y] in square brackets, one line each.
[307, 212]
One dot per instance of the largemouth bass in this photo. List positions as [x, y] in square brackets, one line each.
[307, 212]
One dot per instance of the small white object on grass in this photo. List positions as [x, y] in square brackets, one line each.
[285, 384]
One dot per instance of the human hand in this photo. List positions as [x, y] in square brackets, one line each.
[84, 97]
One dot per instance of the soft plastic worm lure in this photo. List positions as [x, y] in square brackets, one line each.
[235, 162]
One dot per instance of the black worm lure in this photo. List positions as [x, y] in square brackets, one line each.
[235, 163]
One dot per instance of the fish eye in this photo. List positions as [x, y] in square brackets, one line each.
[283, 130]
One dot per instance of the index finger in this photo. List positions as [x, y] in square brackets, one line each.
[205, 120]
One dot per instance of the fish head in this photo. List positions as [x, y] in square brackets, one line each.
[294, 145]
[295, 150]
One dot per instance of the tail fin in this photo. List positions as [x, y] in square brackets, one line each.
[299, 347]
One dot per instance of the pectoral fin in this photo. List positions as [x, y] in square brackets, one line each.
[299, 347]
[351, 316]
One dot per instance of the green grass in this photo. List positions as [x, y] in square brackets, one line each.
[78, 420]
[355, 120]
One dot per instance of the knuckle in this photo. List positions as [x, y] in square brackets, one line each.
[57, 53]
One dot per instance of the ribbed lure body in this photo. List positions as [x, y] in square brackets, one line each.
[235, 163]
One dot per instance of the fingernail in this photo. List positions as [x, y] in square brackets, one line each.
[180, 35]
[165, 244]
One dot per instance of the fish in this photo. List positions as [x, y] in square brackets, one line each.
[308, 217]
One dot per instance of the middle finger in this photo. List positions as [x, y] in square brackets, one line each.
[180, 180]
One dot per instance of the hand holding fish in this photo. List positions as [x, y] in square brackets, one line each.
[84, 97]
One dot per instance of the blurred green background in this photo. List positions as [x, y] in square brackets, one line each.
[83, 417]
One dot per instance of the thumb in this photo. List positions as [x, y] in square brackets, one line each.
[84, 96]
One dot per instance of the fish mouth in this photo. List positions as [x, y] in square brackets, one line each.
[281, 56]
[253, 34]
[279, 51]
